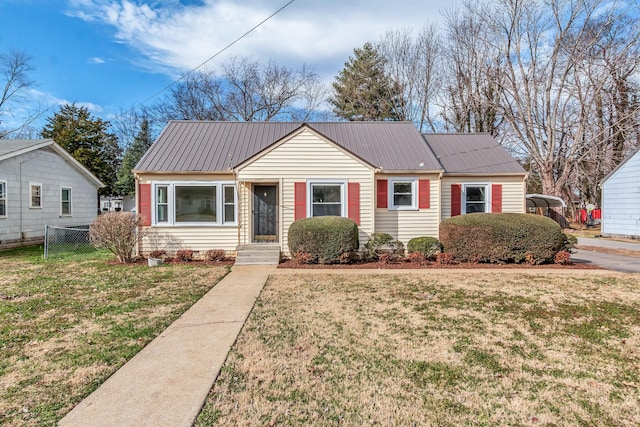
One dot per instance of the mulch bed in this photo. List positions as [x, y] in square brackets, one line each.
[432, 265]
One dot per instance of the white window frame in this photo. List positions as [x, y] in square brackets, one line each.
[487, 202]
[343, 194]
[234, 221]
[31, 185]
[3, 198]
[171, 210]
[62, 188]
[414, 193]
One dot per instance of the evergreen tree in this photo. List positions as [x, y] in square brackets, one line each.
[87, 139]
[362, 90]
[125, 183]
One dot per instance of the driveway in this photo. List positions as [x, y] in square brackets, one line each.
[625, 264]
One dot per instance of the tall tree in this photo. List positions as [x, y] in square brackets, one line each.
[16, 115]
[245, 90]
[414, 65]
[125, 183]
[363, 91]
[88, 140]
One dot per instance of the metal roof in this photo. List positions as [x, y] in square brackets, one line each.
[544, 201]
[472, 153]
[201, 146]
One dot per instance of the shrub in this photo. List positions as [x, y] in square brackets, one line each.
[569, 243]
[380, 243]
[160, 253]
[327, 239]
[303, 258]
[119, 233]
[215, 255]
[562, 257]
[444, 258]
[185, 255]
[501, 238]
[428, 246]
[417, 258]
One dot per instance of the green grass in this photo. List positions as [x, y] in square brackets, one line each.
[66, 324]
[443, 348]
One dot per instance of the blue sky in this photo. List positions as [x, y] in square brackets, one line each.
[110, 55]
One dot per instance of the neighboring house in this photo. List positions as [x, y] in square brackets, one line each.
[206, 185]
[621, 199]
[40, 184]
[117, 203]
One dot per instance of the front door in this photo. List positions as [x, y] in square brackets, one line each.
[265, 213]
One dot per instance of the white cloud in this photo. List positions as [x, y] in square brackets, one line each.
[96, 60]
[172, 37]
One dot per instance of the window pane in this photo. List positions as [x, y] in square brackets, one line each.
[3, 208]
[161, 197]
[162, 214]
[402, 187]
[402, 200]
[229, 194]
[229, 213]
[195, 204]
[65, 194]
[3, 190]
[327, 210]
[326, 194]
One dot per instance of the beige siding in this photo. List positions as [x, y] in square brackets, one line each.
[404, 225]
[307, 156]
[196, 238]
[513, 191]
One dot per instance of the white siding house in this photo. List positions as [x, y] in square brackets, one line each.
[40, 184]
[621, 199]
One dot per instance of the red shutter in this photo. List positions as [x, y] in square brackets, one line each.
[496, 198]
[456, 199]
[300, 200]
[424, 194]
[144, 201]
[382, 193]
[354, 201]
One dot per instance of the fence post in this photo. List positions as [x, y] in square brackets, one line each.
[46, 241]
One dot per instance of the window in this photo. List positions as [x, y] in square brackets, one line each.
[402, 193]
[162, 203]
[35, 195]
[3, 199]
[476, 198]
[65, 201]
[190, 203]
[327, 199]
[229, 204]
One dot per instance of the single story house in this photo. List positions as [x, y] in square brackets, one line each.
[219, 185]
[40, 184]
[621, 199]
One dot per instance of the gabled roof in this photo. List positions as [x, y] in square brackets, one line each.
[625, 160]
[198, 146]
[14, 147]
[472, 153]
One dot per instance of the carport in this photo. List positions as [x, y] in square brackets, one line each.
[549, 206]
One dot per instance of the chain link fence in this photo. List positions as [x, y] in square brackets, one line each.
[59, 241]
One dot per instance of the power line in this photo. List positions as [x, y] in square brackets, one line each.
[228, 46]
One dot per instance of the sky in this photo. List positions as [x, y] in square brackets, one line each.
[112, 55]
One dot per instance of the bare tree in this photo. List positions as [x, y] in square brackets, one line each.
[16, 115]
[414, 66]
[560, 60]
[245, 90]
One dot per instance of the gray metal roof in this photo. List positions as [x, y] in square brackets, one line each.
[194, 146]
[472, 153]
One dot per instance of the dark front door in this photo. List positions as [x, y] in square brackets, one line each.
[265, 213]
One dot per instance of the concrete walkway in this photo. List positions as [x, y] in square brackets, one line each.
[603, 242]
[167, 382]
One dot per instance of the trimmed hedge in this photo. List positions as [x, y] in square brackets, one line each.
[380, 243]
[324, 240]
[430, 247]
[501, 238]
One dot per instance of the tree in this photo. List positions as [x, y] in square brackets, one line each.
[363, 91]
[87, 139]
[245, 90]
[125, 183]
[15, 83]
[415, 67]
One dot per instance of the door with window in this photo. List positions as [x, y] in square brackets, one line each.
[265, 213]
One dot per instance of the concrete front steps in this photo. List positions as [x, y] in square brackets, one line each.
[260, 254]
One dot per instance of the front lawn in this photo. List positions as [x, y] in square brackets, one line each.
[67, 324]
[436, 348]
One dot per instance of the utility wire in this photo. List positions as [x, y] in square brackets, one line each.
[208, 60]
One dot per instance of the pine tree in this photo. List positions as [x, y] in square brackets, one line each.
[362, 90]
[125, 183]
[87, 139]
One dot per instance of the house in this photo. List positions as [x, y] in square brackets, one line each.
[621, 199]
[205, 185]
[40, 184]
